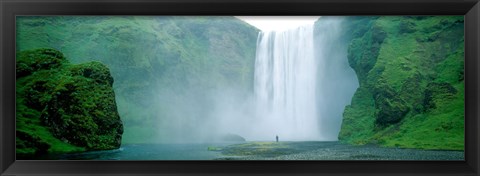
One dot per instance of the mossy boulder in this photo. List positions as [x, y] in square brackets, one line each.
[74, 103]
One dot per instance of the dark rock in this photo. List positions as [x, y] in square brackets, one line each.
[232, 138]
[391, 108]
[378, 34]
[407, 27]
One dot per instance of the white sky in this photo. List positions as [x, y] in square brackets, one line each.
[278, 23]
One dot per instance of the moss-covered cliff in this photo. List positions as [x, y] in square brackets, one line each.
[166, 68]
[62, 107]
[410, 71]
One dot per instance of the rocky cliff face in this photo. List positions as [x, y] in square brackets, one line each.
[410, 71]
[62, 107]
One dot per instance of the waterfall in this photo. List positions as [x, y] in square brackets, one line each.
[285, 85]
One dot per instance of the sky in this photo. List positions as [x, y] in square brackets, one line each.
[278, 23]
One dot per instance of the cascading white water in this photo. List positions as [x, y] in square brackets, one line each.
[285, 85]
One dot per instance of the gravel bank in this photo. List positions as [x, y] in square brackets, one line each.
[329, 151]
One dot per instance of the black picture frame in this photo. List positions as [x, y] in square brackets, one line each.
[10, 8]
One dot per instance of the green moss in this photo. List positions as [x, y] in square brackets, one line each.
[415, 82]
[31, 61]
[210, 148]
[65, 108]
[35, 138]
[358, 124]
[444, 125]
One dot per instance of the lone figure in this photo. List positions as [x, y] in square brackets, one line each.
[277, 138]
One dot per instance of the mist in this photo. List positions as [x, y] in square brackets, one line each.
[337, 80]
[199, 116]
[192, 114]
[296, 86]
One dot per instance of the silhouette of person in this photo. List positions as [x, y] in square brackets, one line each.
[277, 138]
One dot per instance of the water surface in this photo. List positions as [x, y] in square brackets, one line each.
[150, 152]
[303, 150]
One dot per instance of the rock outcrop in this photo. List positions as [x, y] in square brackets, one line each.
[63, 107]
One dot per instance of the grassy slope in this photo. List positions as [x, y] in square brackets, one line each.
[405, 98]
[29, 122]
[148, 55]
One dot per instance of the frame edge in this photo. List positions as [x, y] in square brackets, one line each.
[8, 164]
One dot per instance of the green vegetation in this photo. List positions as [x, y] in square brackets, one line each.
[410, 71]
[211, 148]
[159, 63]
[63, 107]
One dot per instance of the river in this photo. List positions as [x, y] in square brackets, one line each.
[305, 150]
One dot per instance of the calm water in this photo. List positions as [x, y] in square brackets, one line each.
[295, 151]
[150, 152]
